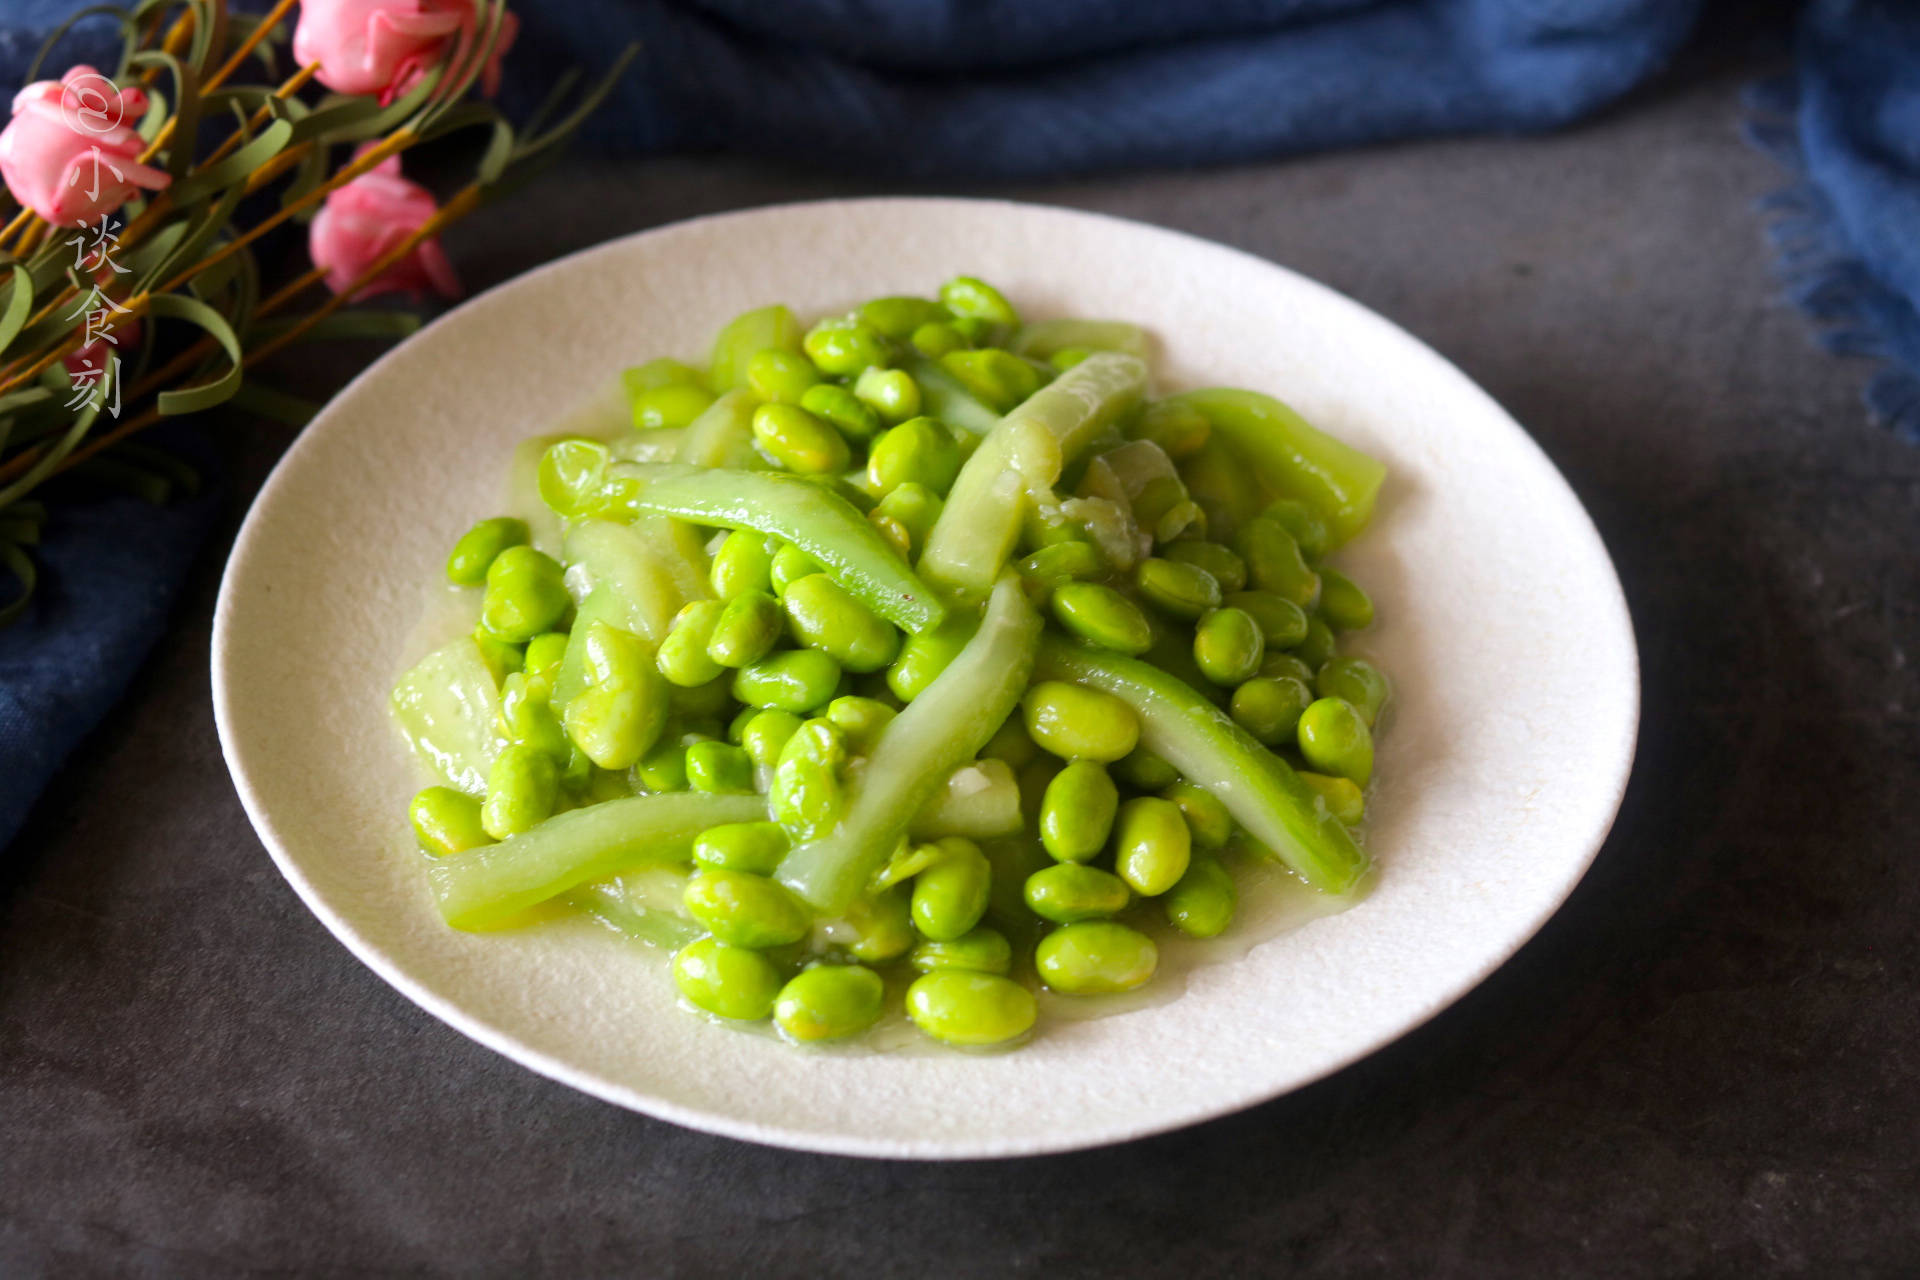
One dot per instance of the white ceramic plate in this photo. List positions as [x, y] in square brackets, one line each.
[1501, 621]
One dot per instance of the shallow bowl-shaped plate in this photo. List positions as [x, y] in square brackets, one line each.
[1500, 618]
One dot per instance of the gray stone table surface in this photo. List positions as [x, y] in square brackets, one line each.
[1707, 1063]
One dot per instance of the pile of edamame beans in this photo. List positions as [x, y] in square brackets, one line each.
[928, 655]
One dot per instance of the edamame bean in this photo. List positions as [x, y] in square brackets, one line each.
[1202, 904]
[820, 740]
[522, 785]
[950, 896]
[1100, 615]
[1305, 524]
[935, 340]
[683, 657]
[745, 910]
[962, 1007]
[478, 547]
[899, 316]
[1079, 724]
[998, 379]
[973, 330]
[718, 767]
[1345, 801]
[1286, 664]
[606, 784]
[527, 716]
[766, 735]
[861, 720]
[1067, 357]
[526, 594]
[751, 847]
[1275, 563]
[829, 1002]
[794, 680]
[1335, 740]
[1068, 892]
[798, 441]
[790, 564]
[891, 393]
[882, 926]
[1180, 430]
[1151, 845]
[1318, 645]
[1228, 646]
[1177, 589]
[617, 658]
[806, 795]
[825, 616]
[737, 727]
[1283, 624]
[1209, 824]
[1051, 567]
[1076, 811]
[501, 659]
[914, 507]
[841, 346]
[544, 655]
[446, 821]
[1269, 707]
[981, 950]
[659, 373]
[1145, 771]
[615, 725]
[670, 405]
[726, 981]
[843, 410]
[1358, 681]
[970, 296]
[923, 657]
[743, 563]
[1219, 561]
[1342, 603]
[781, 376]
[919, 451]
[663, 769]
[1011, 744]
[1095, 957]
[746, 630]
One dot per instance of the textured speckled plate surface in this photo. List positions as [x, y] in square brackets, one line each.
[1501, 620]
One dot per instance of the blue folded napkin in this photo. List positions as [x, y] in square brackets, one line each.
[1031, 88]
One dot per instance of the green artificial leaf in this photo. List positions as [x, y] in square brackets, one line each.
[19, 306]
[346, 325]
[237, 167]
[183, 476]
[470, 115]
[52, 458]
[277, 405]
[186, 113]
[204, 395]
[21, 565]
[115, 474]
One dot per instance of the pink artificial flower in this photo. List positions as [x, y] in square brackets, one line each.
[386, 46]
[366, 218]
[70, 153]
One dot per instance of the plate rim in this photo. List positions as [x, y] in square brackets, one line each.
[555, 1068]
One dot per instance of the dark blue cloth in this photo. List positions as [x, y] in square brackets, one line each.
[1847, 124]
[934, 89]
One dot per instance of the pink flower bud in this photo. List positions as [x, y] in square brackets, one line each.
[386, 46]
[365, 219]
[70, 152]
